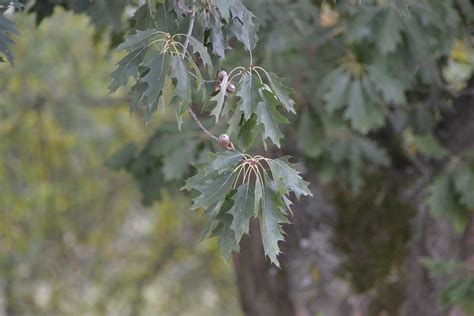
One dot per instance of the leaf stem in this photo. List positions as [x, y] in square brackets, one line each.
[258, 74]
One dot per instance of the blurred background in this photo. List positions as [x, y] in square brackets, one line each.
[74, 236]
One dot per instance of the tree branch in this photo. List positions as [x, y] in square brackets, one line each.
[191, 26]
[198, 122]
[185, 47]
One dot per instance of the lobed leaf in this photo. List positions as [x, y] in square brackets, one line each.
[140, 39]
[269, 117]
[258, 195]
[271, 218]
[247, 94]
[242, 210]
[198, 47]
[127, 67]
[287, 178]
[179, 72]
[281, 91]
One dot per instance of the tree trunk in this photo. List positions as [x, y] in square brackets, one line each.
[308, 284]
[305, 284]
[436, 238]
[262, 287]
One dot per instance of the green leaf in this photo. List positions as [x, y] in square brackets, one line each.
[310, 135]
[269, 117]
[199, 178]
[370, 151]
[219, 98]
[198, 47]
[261, 196]
[166, 94]
[179, 72]
[127, 67]
[107, 13]
[438, 267]
[271, 219]
[243, 26]
[222, 161]
[392, 89]
[287, 178]
[388, 36]
[139, 40]
[141, 18]
[213, 190]
[158, 65]
[219, 44]
[336, 97]
[464, 184]
[247, 94]
[223, 6]
[429, 146]
[123, 157]
[361, 112]
[176, 161]
[152, 6]
[227, 240]
[242, 210]
[443, 203]
[248, 133]
[281, 91]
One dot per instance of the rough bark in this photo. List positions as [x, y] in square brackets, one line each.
[262, 287]
[305, 284]
[436, 238]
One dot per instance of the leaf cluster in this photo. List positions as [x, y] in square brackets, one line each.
[234, 188]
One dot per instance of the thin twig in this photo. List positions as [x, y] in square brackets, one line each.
[185, 47]
[191, 26]
[198, 122]
[203, 80]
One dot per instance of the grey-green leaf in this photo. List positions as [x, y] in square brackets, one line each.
[247, 94]
[155, 79]
[269, 117]
[288, 178]
[362, 113]
[224, 160]
[271, 218]
[242, 210]
[227, 240]
[199, 48]
[127, 67]
[213, 190]
[281, 91]
[179, 72]
[337, 95]
[389, 36]
[138, 40]
[219, 98]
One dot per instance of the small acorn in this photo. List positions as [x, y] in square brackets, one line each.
[221, 75]
[224, 140]
[217, 88]
[230, 88]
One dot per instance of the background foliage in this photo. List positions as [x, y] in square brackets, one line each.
[69, 225]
